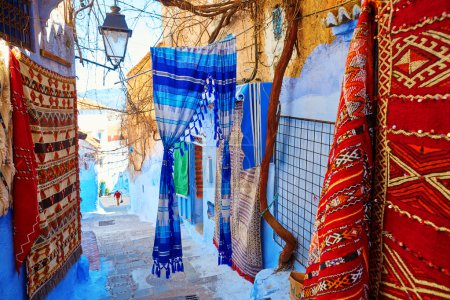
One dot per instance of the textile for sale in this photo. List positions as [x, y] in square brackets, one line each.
[198, 152]
[218, 196]
[254, 123]
[180, 172]
[51, 103]
[185, 81]
[224, 106]
[245, 215]
[338, 266]
[6, 133]
[25, 195]
[411, 215]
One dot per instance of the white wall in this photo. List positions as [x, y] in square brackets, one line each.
[315, 94]
[144, 187]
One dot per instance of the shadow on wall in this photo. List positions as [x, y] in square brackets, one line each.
[144, 187]
[315, 94]
[53, 34]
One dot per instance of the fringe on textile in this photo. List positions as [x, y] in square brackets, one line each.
[56, 278]
[174, 265]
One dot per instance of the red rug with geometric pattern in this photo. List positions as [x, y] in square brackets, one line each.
[411, 221]
[338, 265]
[52, 109]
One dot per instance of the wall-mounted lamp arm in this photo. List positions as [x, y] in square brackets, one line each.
[96, 63]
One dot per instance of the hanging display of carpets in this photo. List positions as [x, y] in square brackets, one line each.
[339, 252]
[411, 213]
[6, 133]
[185, 80]
[50, 100]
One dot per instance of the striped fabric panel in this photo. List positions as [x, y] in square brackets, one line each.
[181, 78]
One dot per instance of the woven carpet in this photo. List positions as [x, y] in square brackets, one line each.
[6, 158]
[198, 152]
[218, 194]
[26, 210]
[52, 107]
[411, 223]
[338, 265]
[245, 220]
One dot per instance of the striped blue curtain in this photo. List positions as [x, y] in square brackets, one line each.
[184, 81]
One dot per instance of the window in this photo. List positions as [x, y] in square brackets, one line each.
[301, 157]
[15, 22]
[277, 22]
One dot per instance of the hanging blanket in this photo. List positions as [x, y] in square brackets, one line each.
[218, 196]
[185, 80]
[411, 218]
[51, 102]
[338, 262]
[245, 220]
[254, 123]
[26, 212]
[6, 133]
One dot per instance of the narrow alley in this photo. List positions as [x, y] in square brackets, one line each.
[123, 244]
[224, 149]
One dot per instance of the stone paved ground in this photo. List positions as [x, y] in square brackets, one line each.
[125, 243]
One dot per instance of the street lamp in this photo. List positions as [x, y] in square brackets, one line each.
[115, 34]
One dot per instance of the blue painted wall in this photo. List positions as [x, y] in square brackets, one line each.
[122, 183]
[89, 188]
[82, 284]
[77, 284]
[12, 286]
[314, 95]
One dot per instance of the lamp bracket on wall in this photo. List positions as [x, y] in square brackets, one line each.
[96, 63]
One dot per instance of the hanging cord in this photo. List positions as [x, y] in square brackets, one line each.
[275, 199]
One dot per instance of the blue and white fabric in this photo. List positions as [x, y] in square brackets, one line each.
[254, 121]
[183, 80]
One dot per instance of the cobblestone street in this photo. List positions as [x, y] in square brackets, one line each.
[124, 244]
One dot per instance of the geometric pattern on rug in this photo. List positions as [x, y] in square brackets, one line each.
[411, 216]
[52, 108]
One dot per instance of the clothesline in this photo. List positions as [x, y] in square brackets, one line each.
[268, 19]
[149, 70]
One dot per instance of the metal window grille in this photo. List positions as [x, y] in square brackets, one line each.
[301, 157]
[15, 22]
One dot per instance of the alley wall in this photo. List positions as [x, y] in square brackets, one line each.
[52, 31]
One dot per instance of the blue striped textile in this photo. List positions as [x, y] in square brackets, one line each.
[254, 121]
[185, 79]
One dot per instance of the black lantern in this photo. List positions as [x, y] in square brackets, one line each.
[115, 34]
